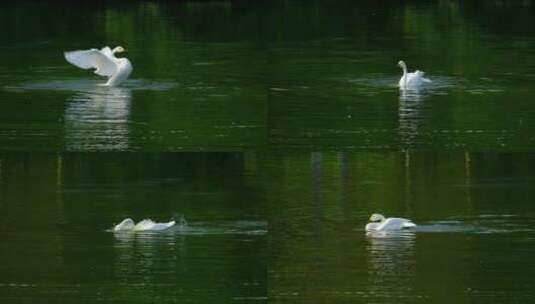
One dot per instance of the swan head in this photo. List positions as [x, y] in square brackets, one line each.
[376, 218]
[118, 49]
[402, 64]
[126, 224]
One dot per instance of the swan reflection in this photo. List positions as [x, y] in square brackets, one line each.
[143, 254]
[409, 116]
[412, 95]
[97, 118]
[391, 262]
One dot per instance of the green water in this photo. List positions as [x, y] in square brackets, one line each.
[275, 128]
[473, 244]
[230, 76]
[288, 227]
[57, 211]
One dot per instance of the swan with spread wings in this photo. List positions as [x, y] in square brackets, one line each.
[104, 62]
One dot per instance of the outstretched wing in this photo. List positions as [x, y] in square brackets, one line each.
[92, 59]
[107, 51]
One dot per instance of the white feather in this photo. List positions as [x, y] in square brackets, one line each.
[149, 225]
[144, 225]
[92, 59]
[107, 51]
[411, 80]
[104, 62]
[380, 223]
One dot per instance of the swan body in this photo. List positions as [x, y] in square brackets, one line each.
[104, 62]
[145, 225]
[411, 80]
[149, 225]
[126, 225]
[379, 223]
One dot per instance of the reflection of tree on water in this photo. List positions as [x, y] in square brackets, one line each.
[316, 161]
[468, 179]
[97, 119]
[391, 266]
[410, 104]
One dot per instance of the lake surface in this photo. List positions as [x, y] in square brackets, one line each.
[274, 128]
[474, 242]
[284, 227]
[58, 209]
[245, 75]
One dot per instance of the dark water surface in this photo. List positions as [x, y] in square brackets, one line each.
[474, 243]
[474, 240]
[222, 75]
[246, 115]
[57, 211]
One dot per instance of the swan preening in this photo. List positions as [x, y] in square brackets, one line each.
[104, 62]
[145, 225]
[379, 223]
[411, 80]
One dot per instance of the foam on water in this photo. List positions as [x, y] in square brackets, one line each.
[480, 224]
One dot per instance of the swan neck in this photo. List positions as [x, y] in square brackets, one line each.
[404, 79]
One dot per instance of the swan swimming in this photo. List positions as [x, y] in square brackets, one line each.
[126, 225]
[104, 62]
[411, 80]
[145, 225]
[149, 225]
[379, 223]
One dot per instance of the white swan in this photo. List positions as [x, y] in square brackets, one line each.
[126, 225]
[144, 225]
[411, 80]
[379, 223]
[149, 225]
[104, 62]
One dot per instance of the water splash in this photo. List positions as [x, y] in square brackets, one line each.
[180, 220]
[480, 224]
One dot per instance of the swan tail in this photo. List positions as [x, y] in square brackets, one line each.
[426, 80]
